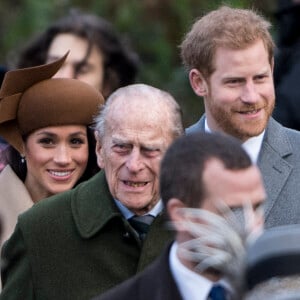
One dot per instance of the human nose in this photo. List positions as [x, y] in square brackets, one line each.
[62, 155]
[250, 93]
[134, 161]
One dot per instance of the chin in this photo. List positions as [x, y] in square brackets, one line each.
[55, 191]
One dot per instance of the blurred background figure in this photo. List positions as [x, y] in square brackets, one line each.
[273, 265]
[287, 64]
[98, 54]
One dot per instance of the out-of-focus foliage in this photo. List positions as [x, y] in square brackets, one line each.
[154, 29]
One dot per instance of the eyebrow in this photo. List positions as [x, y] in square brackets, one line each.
[127, 142]
[55, 134]
[238, 76]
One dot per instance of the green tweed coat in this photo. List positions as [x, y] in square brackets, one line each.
[75, 245]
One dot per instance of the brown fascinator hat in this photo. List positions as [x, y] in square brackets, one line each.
[30, 99]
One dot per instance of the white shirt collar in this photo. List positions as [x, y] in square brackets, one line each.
[188, 282]
[191, 285]
[155, 211]
[252, 146]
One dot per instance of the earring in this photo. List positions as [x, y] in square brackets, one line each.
[23, 159]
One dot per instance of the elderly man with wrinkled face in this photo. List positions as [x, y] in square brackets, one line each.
[204, 178]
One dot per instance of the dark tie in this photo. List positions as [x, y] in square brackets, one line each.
[217, 293]
[141, 224]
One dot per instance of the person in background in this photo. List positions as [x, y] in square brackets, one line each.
[287, 64]
[110, 227]
[229, 54]
[201, 175]
[272, 267]
[98, 55]
[51, 145]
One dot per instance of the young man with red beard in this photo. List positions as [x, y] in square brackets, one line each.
[229, 54]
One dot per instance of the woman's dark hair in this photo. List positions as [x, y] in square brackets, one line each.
[14, 159]
[92, 166]
[120, 62]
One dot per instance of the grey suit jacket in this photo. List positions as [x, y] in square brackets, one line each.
[279, 162]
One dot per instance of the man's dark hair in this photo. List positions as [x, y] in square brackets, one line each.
[182, 167]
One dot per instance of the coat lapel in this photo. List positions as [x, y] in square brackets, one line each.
[93, 206]
[272, 163]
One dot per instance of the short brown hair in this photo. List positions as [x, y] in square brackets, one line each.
[228, 27]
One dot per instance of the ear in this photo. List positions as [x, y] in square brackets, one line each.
[23, 153]
[198, 83]
[173, 209]
[99, 151]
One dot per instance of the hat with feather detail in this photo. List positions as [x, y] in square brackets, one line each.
[31, 99]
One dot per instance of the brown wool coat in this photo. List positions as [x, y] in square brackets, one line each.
[75, 245]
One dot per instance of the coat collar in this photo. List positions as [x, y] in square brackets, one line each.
[14, 200]
[277, 138]
[93, 206]
[272, 162]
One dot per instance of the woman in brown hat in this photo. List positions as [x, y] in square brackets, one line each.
[47, 123]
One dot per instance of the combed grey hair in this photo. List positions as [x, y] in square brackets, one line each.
[144, 92]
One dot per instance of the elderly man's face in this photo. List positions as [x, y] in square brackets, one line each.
[135, 141]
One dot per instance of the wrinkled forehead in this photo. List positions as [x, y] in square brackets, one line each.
[136, 118]
[143, 109]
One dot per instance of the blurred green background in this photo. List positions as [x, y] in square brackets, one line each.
[154, 28]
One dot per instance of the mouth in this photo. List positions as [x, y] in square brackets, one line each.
[60, 174]
[250, 112]
[135, 183]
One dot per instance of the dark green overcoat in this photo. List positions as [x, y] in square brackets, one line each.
[75, 245]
